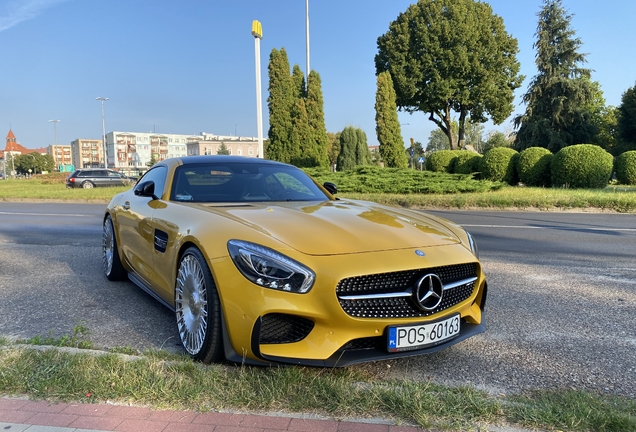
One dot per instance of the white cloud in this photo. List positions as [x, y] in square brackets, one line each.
[17, 11]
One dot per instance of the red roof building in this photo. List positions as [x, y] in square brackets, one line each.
[12, 146]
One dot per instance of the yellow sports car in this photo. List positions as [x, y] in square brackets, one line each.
[261, 264]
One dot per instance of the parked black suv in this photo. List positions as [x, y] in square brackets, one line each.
[97, 177]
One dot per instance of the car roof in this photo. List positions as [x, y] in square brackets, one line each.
[190, 160]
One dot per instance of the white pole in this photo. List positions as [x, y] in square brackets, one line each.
[307, 33]
[257, 32]
[104, 148]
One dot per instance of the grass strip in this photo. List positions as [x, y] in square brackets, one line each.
[357, 392]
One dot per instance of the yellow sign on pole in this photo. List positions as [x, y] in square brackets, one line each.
[257, 29]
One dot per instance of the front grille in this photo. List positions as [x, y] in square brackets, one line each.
[400, 282]
[282, 328]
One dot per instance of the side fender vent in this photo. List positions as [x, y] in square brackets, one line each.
[161, 241]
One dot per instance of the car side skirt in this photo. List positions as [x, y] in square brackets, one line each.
[141, 284]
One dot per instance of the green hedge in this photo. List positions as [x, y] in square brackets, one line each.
[372, 179]
[585, 166]
[498, 164]
[626, 168]
[534, 166]
[466, 162]
[441, 161]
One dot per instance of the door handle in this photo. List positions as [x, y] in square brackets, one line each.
[126, 205]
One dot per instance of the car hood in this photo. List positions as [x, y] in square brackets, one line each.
[339, 227]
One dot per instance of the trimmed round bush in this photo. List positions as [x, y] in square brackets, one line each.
[626, 167]
[585, 166]
[498, 164]
[466, 162]
[534, 166]
[441, 161]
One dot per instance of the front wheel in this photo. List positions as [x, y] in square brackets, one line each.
[197, 308]
[113, 268]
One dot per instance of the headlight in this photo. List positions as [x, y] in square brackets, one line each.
[270, 269]
[473, 245]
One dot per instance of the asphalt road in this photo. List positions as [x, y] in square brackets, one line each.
[560, 311]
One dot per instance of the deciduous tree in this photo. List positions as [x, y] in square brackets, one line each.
[448, 56]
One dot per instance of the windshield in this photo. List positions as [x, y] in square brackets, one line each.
[243, 182]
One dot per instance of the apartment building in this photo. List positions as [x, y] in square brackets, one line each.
[61, 154]
[131, 152]
[87, 153]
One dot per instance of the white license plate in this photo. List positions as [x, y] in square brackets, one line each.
[411, 337]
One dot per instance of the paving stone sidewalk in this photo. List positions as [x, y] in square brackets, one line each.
[23, 415]
[17, 415]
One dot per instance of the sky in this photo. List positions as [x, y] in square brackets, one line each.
[188, 66]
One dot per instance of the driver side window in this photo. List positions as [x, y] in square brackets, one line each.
[158, 175]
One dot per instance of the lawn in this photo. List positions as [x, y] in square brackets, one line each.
[407, 188]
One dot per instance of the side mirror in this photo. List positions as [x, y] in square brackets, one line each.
[146, 189]
[331, 188]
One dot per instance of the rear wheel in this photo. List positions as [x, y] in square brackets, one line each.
[113, 268]
[88, 185]
[197, 308]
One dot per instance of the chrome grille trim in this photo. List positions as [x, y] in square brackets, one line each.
[392, 295]
[407, 293]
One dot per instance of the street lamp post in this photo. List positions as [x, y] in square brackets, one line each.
[257, 32]
[55, 122]
[104, 148]
[307, 33]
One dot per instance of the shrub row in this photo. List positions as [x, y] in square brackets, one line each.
[577, 166]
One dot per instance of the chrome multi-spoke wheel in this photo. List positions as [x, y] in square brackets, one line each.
[197, 309]
[110, 255]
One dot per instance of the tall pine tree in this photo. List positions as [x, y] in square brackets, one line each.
[316, 118]
[556, 115]
[297, 132]
[347, 158]
[627, 119]
[301, 135]
[280, 103]
[363, 155]
[387, 124]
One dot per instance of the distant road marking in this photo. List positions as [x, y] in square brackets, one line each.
[44, 214]
[549, 227]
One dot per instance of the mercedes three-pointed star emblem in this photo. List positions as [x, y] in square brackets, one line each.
[428, 292]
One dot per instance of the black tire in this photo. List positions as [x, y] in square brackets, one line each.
[113, 269]
[88, 185]
[197, 308]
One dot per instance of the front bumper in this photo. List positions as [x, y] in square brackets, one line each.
[332, 337]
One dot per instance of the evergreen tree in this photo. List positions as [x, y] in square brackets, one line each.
[319, 146]
[627, 119]
[387, 124]
[363, 155]
[334, 147]
[299, 90]
[223, 150]
[280, 103]
[301, 136]
[347, 158]
[557, 101]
